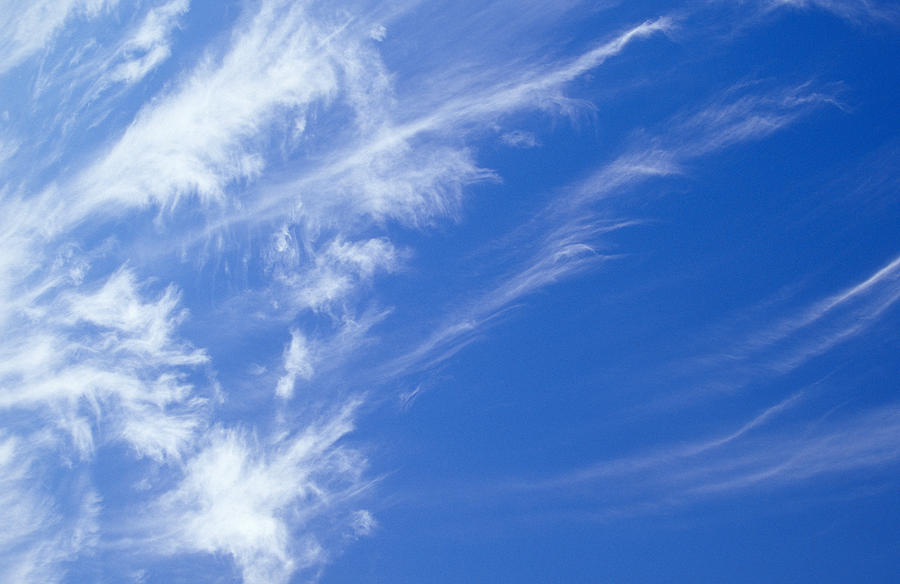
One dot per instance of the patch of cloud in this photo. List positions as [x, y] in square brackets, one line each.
[840, 317]
[149, 46]
[297, 365]
[727, 121]
[760, 454]
[851, 10]
[735, 116]
[200, 137]
[109, 359]
[378, 32]
[31, 27]
[405, 170]
[133, 325]
[749, 355]
[562, 238]
[363, 523]
[520, 139]
[256, 501]
[335, 271]
[7, 149]
[39, 538]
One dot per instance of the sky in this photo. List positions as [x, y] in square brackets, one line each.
[418, 291]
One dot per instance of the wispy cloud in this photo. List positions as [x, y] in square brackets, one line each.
[297, 364]
[405, 169]
[270, 186]
[257, 501]
[199, 138]
[520, 139]
[39, 536]
[737, 115]
[149, 45]
[563, 237]
[857, 11]
[833, 320]
[107, 349]
[761, 454]
[757, 354]
[30, 29]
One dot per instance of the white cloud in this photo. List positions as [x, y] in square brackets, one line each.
[561, 240]
[31, 27]
[99, 357]
[834, 320]
[139, 327]
[866, 440]
[363, 522]
[408, 168]
[297, 364]
[520, 139]
[255, 501]
[760, 454]
[105, 361]
[852, 10]
[7, 149]
[149, 45]
[378, 32]
[679, 454]
[38, 537]
[202, 136]
[744, 355]
[333, 271]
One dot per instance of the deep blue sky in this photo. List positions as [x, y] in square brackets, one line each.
[404, 291]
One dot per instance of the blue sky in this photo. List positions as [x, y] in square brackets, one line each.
[409, 291]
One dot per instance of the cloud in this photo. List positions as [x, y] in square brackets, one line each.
[866, 440]
[288, 169]
[297, 364]
[312, 271]
[108, 348]
[144, 328]
[746, 355]
[363, 523]
[520, 139]
[831, 321]
[38, 537]
[200, 138]
[734, 116]
[29, 29]
[257, 501]
[759, 454]
[852, 10]
[562, 239]
[7, 150]
[405, 167]
[648, 462]
[149, 46]
[338, 269]
[378, 32]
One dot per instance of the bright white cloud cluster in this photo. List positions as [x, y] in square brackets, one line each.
[202, 136]
[85, 353]
[256, 501]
